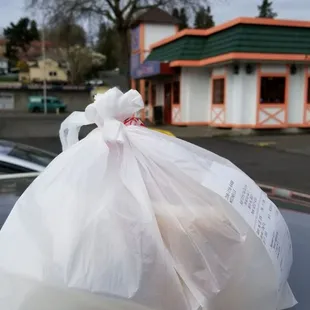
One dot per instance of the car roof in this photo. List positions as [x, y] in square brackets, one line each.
[8, 155]
[7, 146]
[21, 163]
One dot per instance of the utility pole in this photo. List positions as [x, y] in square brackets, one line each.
[44, 69]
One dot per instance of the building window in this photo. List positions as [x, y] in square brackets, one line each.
[272, 90]
[218, 91]
[176, 92]
[308, 91]
[48, 101]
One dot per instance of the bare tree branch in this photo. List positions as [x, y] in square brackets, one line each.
[119, 12]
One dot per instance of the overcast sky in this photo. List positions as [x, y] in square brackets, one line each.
[223, 10]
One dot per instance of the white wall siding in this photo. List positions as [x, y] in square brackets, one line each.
[186, 94]
[296, 96]
[218, 70]
[248, 97]
[195, 90]
[231, 89]
[273, 68]
[155, 32]
[241, 95]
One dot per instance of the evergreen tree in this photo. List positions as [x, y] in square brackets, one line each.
[19, 36]
[265, 10]
[183, 19]
[108, 46]
[175, 13]
[66, 34]
[204, 18]
[181, 16]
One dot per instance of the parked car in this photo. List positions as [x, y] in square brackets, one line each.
[36, 104]
[20, 158]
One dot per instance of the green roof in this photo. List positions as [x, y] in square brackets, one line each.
[185, 48]
[239, 38]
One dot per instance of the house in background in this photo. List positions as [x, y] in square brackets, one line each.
[4, 65]
[48, 69]
[251, 73]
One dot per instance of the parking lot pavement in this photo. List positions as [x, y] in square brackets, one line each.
[265, 165]
[195, 131]
[297, 143]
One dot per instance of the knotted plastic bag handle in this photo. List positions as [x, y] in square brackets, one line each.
[108, 112]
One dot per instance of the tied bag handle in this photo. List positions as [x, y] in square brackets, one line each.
[109, 108]
[70, 128]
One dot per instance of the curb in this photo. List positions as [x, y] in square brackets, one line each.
[283, 193]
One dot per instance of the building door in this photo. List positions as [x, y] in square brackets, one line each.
[167, 103]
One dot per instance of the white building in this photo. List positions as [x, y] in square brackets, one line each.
[246, 73]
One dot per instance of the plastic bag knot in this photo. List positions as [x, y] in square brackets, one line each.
[109, 110]
[113, 105]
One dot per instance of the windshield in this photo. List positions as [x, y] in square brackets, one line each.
[25, 152]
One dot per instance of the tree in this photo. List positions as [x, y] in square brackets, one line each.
[183, 19]
[265, 10]
[22, 66]
[108, 46]
[119, 13]
[67, 33]
[175, 13]
[19, 36]
[69, 42]
[80, 60]
[204, 18]
[181, 16]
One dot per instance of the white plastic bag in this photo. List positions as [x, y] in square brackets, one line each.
[123, 219]
[260, 279]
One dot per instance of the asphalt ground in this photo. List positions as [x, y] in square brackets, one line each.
[266, 165]
[297, 143]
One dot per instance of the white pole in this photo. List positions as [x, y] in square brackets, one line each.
[44, 71]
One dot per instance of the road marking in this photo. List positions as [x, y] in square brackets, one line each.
[166, 132]
[262, 144]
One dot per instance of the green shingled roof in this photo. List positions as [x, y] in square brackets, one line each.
[185, 48]
[239, 38]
